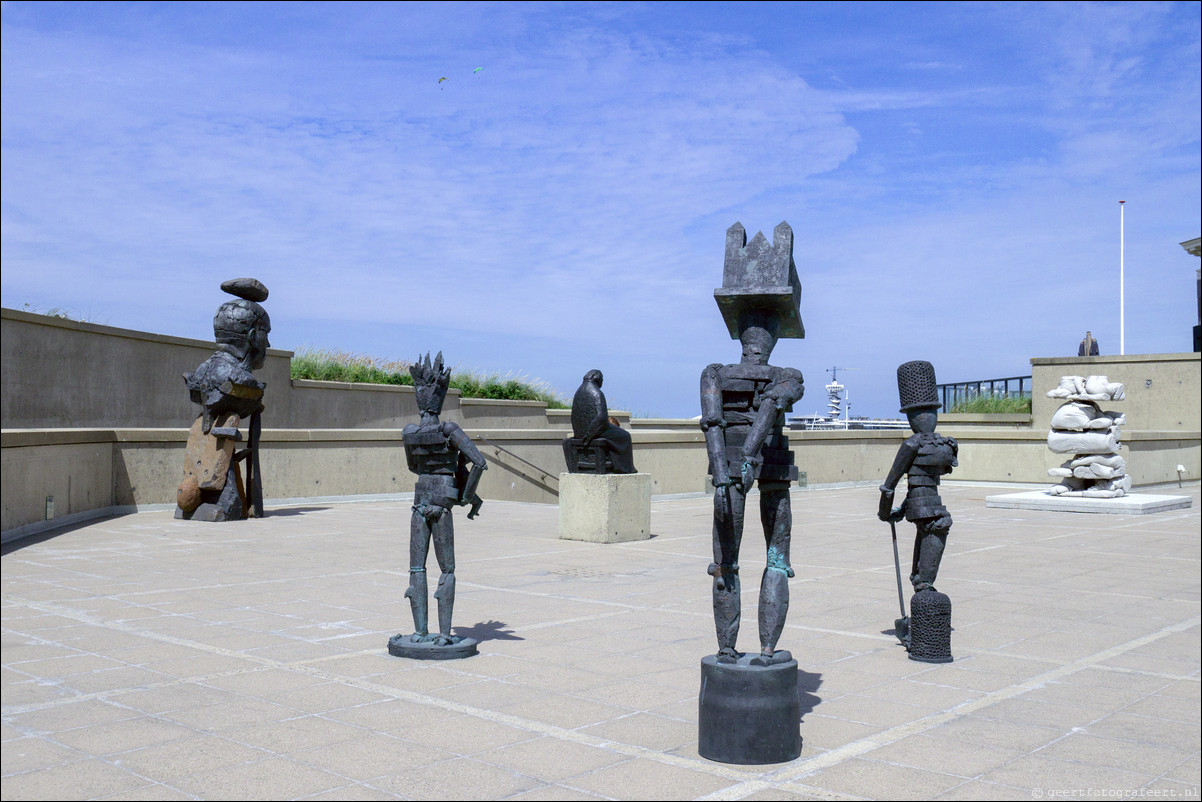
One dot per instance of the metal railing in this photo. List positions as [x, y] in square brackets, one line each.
[539, 476]
[1009, 387]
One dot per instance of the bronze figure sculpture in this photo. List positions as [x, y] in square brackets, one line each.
[228, 393]
[439, 452]
[923, 458]
[743, 410]
[749, 708]
[597, 444]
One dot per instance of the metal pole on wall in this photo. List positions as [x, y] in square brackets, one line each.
[1122, 305]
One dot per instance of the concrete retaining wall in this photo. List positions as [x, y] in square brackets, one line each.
[66, 374]
[93, 471]
[95, 418]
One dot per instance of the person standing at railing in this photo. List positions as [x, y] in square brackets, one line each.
[1088, 346]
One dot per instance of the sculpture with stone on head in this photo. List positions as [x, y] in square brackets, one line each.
[228, 393]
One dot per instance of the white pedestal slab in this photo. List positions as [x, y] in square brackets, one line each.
[1130, 504]
[605, 508]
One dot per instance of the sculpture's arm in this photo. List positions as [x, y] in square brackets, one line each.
[786, 389]
[901, 465]
[712, 425]
[459, 438]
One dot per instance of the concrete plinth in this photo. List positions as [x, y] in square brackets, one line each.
[605, 508]
[1130, 504]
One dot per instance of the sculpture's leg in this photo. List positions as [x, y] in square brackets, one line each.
[419, 547]
[776, 514]
[929, 542]
[254, 477]
[618, 442]
[228, 505]
[444, 550]
[728, 532]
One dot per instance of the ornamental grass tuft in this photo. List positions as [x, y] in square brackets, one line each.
[993, 405]
[333, 365]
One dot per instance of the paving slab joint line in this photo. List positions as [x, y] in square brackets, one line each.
[736, 791]
[805, 767]
[630, 750]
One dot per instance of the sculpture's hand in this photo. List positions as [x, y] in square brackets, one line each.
[884, 510]
[747, 474]
[897, 514]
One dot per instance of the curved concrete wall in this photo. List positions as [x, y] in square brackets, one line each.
[89, 472]
[95, 420]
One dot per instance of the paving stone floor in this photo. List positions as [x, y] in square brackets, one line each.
[149, 658]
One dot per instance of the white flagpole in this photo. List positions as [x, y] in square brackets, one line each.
[1122, 305]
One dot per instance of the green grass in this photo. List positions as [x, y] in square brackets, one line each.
[994, 405]
[341, 366]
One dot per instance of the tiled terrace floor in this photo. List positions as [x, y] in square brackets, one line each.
[148, 658]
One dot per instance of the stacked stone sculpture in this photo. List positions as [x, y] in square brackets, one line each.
[923, 458]
[439, 452]
[1091, 436]
[749, 706]
[596, 444]
[228, 394]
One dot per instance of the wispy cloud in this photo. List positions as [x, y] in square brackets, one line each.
[566, 204]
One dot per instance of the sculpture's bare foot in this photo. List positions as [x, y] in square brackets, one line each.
[444, 640]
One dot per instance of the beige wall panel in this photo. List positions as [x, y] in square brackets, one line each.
[79, 476]
[1164, 391]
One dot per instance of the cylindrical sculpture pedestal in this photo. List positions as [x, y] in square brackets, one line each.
[931, 627]
[749, 714]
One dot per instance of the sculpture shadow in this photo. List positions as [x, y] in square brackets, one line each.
[41, 537]
[487, 630]
[807, 690]
[291, 511]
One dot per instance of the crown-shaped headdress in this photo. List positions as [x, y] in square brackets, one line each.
[759, 283]
[430, 381]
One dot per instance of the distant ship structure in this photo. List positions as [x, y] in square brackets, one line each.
[838, 416]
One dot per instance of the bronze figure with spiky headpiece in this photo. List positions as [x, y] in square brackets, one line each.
[439, 452]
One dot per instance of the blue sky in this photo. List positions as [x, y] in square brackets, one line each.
[951, 172]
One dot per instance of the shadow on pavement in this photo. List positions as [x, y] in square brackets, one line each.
[487, 630]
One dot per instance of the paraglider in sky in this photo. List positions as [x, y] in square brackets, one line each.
[476, 70]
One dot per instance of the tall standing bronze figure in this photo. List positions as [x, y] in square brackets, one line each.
[923, 458]
[749, 706]
[743, 410]
[439, 452]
